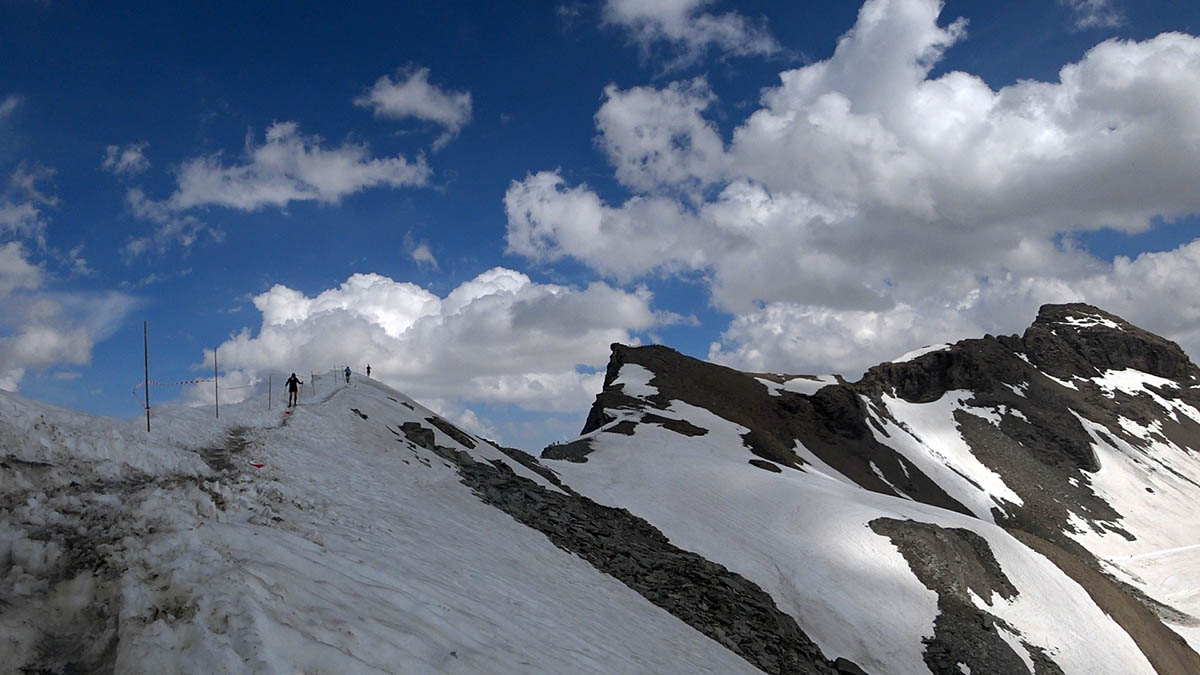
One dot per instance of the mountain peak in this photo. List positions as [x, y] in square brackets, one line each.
[1077, 339]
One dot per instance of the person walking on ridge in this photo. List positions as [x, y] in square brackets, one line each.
[293, 387]
[368, 370]
[347, 371]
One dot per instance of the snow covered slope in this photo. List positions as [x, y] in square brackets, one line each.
[326, 540]
[1013, 504]
[1002, 505]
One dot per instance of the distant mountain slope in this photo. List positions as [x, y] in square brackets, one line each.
[1004, 504]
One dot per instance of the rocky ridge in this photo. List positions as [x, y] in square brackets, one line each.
[1043, 392]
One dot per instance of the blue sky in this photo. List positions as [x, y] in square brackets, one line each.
[477, 198]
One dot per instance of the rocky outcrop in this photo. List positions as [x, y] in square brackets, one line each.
[959, 566]
[1079, 339]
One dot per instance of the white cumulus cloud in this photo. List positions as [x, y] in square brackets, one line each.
[688, 29]
[286, 167]
[865, 198]
[411, 95]
[498, 338]
[41, 329]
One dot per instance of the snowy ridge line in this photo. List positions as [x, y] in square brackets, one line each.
[352, 555]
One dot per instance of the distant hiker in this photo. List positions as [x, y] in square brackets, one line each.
[368, 370]
[347, 371]
[293, 387]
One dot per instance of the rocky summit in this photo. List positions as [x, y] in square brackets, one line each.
[1004, 504]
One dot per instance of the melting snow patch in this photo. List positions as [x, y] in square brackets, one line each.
[773, 387]
[927, 349]
[636, 381]
[1065, 383]
[809, 385]
[930, 438]
[1135, 382]
[888, 482]
[1130, 381]
[1090, 321]
[1018, 389]
[804, 384]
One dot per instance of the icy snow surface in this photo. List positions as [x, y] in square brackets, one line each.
[347, 551]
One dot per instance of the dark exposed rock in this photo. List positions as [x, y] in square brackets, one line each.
[451, 431]
[421, 435]
[1063, 349]
[679, 426]
[624, 427]
[530, 462]
[847, 667]
[954, 563]
[764, 464]
[574, 451]
[715, 601]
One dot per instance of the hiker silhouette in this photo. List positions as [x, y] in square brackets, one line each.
[293, 387]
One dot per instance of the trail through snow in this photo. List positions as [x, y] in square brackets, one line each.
[350, 550]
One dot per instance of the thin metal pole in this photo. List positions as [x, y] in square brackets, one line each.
[146, 357]
[312, 379]
[269, 394]
[216, 389]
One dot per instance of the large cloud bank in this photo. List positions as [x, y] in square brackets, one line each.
[499, 337]
[865, 207]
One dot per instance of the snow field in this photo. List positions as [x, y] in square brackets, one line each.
[348, 551]
[931, 440]
[806, 541]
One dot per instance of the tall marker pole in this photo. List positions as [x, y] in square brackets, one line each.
[269, 391]
[146, 355]
[216, 390]
[312, 379]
